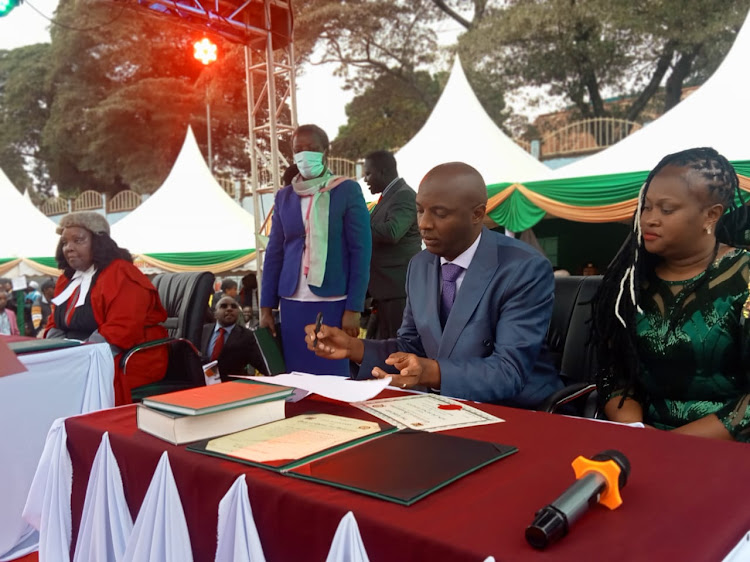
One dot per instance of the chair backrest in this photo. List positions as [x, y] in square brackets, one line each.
[568, 337]
[578, 358]
[185, 297]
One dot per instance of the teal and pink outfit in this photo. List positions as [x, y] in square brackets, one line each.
[317, 260]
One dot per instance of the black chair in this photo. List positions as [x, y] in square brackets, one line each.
[569, 341]
[185, 298]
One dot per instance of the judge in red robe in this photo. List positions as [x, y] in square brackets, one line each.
[103, 297]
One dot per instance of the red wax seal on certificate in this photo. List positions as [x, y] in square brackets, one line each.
[449, 407]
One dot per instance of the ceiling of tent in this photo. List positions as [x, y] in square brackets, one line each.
[189, 213]
[459, 129]
[716, 115]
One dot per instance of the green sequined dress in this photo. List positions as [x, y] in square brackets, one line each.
[694, 348]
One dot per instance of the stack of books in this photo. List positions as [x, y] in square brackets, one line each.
[208, 411]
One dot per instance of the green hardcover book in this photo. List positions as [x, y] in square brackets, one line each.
[270, 350]
[216, 397]
[32, 346]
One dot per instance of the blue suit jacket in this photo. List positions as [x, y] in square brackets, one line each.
[492, 348]
[349, 248]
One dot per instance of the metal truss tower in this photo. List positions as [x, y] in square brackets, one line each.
[265, 29]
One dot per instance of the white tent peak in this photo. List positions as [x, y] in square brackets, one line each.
[190, 212]
[25, 231]
[716, 115]
[459, 129]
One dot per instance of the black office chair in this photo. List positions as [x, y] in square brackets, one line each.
[185, 298]
[569, 340]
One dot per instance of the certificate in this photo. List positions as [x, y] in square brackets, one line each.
[426, 412]
[293, 438]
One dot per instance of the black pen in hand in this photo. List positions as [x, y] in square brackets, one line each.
[318, 322]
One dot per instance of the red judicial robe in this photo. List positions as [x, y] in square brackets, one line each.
[127, 311]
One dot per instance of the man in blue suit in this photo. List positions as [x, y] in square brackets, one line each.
[478, 306]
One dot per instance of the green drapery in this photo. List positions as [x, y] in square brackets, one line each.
[587, 199]
[201, 259]
[46, 262]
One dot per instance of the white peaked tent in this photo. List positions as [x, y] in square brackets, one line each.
[459, 129]
[26, 234]
[716, 115]
[189, 214]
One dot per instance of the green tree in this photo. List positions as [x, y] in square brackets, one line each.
[125, 86]
[24, 109]
[585, 50]
[385, 116]
[386, 51]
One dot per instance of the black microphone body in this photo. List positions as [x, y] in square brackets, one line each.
[599, 480]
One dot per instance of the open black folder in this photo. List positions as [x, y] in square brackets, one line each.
[398, 466]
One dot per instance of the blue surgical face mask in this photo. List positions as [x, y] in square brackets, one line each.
[310, 164]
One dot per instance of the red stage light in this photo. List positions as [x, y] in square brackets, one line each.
[204, 51]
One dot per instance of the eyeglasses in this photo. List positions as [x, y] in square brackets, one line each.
[228, 305]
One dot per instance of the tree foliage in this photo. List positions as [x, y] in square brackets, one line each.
[586, 50]
[388, 53]
[24, 109]
[385, 115]
[125, 87]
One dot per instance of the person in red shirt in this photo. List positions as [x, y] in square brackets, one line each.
[102, 297]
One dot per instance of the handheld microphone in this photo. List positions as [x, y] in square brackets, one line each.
[598, 480]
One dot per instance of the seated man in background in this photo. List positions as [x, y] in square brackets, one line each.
[478, 306]
[230, 343]
[41, 308]
[229, 288]
[8, 322]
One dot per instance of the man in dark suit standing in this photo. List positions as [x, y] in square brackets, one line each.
[478, 306]
[229, 343]
[395, 240]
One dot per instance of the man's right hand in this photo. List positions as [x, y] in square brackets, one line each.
[266, 320]
[333, 343]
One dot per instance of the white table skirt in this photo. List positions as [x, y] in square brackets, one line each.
[58, 384]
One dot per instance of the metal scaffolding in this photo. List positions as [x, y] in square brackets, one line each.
[265, 29]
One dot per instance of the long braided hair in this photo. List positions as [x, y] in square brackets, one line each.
[618, 299]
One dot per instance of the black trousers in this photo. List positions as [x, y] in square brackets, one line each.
[385, 319]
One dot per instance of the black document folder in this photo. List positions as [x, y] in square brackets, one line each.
[403, 467]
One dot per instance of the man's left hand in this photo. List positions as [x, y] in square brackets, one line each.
[413, 371]
[350, 323]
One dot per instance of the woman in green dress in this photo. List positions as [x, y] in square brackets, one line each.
[670, 322]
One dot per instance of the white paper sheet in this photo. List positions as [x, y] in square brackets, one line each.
[330, 386]
[427, 412]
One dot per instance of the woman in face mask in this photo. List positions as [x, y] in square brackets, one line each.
[318, 254]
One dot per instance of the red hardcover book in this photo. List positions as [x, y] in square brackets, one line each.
[217, 397]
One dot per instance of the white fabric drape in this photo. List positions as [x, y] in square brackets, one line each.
[57, 384]
[347, 545]
[48, 504]
[238, 539]
[106, 524]
[160, 531]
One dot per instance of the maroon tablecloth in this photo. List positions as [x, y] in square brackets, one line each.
[686, 497]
